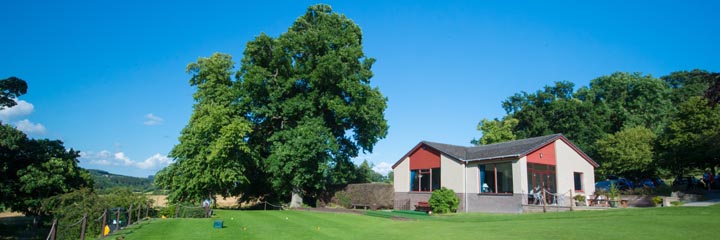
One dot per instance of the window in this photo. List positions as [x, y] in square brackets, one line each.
[578, 181]
[424, 180]
[496, 178]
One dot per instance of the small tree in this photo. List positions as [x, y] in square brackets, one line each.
[444, 200]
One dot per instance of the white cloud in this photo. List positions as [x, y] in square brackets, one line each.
[383, 168]
[106, 158]
[30, 128]
[21, 109]
[152, 162]
[153, 120]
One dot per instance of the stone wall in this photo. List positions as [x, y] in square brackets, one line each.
[495, 203]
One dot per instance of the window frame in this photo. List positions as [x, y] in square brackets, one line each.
[582, 186]
[494, 188]
[430, 177]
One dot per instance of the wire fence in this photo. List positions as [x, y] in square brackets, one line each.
[109, 220]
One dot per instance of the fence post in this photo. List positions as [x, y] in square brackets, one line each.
[138, 213]
[544, 200]
[53, 229]
[82, 229]
[265, 206]
[103, 224]
[117, 219]
[572, 203]
[129, 220]
[147, 209]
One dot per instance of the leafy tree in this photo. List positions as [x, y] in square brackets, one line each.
[365, 174]
[12, 144]
[308, 96]
[34, 170]
[390, 177]
[692, 138]
[212, 156]
[50, 170]
[687, 84]
[631, 100]
[10, 89]
[556, 109]
[627, 153]
[496, 131]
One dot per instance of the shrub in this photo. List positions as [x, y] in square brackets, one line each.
[657, 200]
[676, 203]
[579, 198]
[444, 200]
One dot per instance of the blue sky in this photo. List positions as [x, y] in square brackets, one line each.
[107, 77]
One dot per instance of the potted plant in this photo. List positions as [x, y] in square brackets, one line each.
[657, 200]
[614, 195]
[579, 200]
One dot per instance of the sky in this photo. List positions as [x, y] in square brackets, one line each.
[108, 77]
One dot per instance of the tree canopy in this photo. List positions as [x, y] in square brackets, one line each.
[630, 123]
[496, 131]
[10, 89]
[34, 170]
[300, 108]
[309, 98]
[212, 156]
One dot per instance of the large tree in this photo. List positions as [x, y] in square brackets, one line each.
[309, 98]
[692, 138]
[496, 131]
[34, 170]
[627, 153]
[10, 89]
[212, 156]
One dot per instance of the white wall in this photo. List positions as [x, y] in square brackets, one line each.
[520, 176]
[401, 174]
[569, 162]
[451, 175]
[472, 173]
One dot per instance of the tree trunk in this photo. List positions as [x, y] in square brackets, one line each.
[296, 200]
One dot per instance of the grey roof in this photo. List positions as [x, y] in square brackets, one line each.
[513, 149]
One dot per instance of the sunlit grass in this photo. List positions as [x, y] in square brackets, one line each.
[648, 223]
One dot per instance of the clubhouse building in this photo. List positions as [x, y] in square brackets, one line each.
[504, 177]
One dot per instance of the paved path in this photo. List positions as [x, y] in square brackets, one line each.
[712, 196]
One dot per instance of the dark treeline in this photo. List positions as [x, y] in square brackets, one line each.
[634, 125]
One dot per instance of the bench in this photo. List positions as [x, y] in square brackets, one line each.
[356, 205]
[598, 201]
[422, 206]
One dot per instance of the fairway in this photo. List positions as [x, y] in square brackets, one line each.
[640, 223]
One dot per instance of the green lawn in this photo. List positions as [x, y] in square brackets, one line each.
[648, 223]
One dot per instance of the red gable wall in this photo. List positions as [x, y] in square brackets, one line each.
[548, 155]
[424, 158]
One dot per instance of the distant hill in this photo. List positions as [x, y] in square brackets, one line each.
[105, 180]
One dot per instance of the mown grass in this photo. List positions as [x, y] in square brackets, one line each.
[648, 223]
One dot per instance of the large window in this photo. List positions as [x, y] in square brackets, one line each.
[496, 178]
[578, 181]
[424, 180]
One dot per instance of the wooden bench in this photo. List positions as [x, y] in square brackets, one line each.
[422, 206]
[356, 205]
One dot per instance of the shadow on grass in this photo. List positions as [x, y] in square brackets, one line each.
[20, 227]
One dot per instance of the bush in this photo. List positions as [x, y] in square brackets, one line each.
[579, 198]
[444, 200]
[657, 200]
